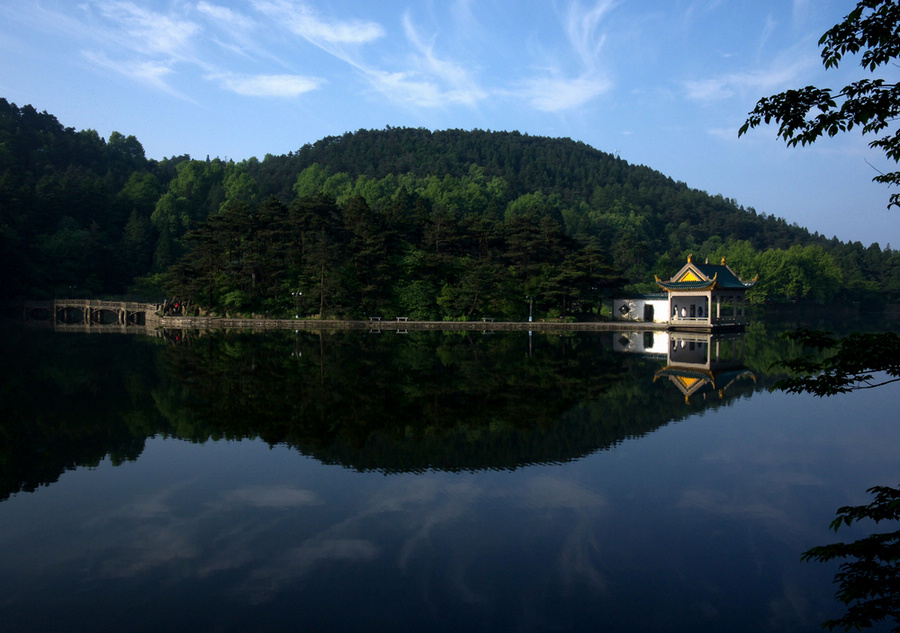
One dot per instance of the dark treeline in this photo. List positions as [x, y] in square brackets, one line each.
[319, 257]
[442, 225]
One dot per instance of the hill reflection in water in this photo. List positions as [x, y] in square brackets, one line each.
[427, 481]
[368, 401]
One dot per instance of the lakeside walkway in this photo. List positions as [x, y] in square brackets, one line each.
[111, 316]
[208, 323]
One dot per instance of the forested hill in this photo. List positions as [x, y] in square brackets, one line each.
[445, 224]
[578, 178]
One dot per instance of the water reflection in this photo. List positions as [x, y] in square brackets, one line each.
[424, 400]
[516, 498]
[697, 364]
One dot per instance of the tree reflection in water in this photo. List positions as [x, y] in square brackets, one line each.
[389, 403]
[385, 402]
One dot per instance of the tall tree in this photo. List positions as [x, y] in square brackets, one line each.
[368, 267]
[320, 230]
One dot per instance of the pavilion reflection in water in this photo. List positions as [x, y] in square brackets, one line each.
[700, 365]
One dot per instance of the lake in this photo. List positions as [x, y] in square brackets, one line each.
[423, 481]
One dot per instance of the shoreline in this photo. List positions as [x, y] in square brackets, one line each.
[215, 323]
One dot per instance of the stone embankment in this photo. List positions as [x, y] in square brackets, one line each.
[201, 323]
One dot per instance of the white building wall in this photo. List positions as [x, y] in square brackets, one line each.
[635, 309]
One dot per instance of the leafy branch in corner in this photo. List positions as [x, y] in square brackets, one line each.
[869, 578]
[804, 115]
[841, 365]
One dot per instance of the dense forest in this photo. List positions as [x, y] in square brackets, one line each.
[433, 225]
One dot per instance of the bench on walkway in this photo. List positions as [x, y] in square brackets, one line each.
[374, 318]
[403, 318]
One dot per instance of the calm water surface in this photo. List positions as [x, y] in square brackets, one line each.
[422, 482]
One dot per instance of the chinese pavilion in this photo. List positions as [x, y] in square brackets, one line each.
[706, 297]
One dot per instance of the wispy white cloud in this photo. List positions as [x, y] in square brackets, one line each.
[770, 26]
[149, 32]
[37, 17]
[404, 87]
[553, 94]
[582, 30]
[550, 492]
[417, 76]
[739, 83]
[800, 10]
[225, 17]
[268, 85]
[716, 502]
[419, 68]
[463, 14]
[331, 35]
[143, 45]
[153, 48]
[432, 80]
[151, 73]
[237, 28]
[270, 497]
[120, 36]
[269, 579]
[558, 89]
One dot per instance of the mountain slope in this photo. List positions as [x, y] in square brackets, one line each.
[83, 215]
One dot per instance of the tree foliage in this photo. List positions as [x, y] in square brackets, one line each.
[320, 257]
[869, 578]
[871, 31]
[840, 365]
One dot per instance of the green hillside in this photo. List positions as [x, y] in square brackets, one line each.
[443, 225]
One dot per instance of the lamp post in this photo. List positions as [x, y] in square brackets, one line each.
[530, 306]
[297, 296]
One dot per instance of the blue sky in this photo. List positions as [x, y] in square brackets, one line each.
[662, 83]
